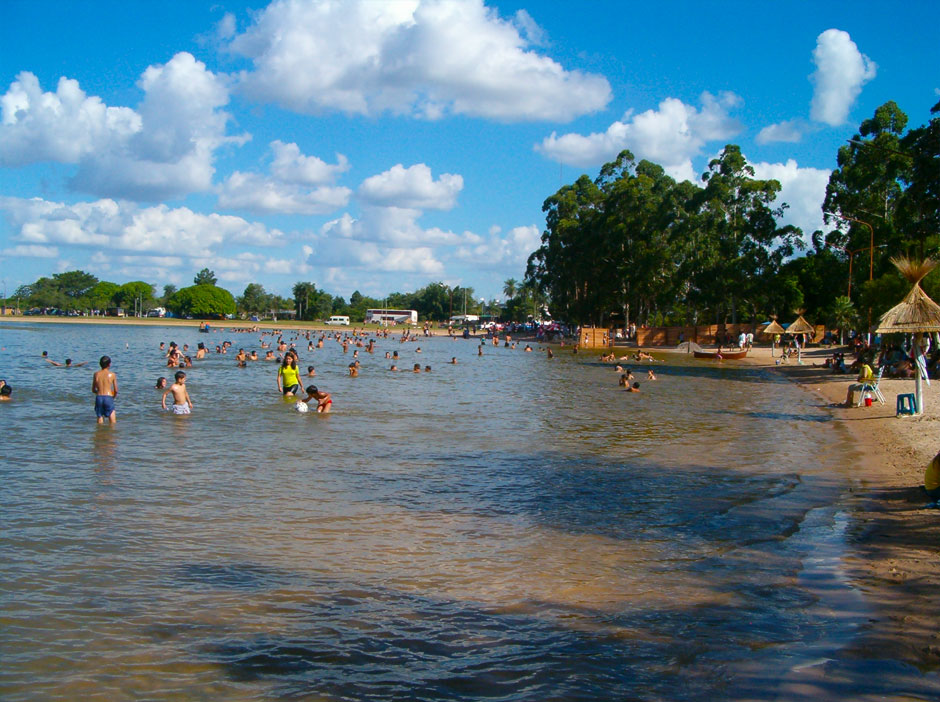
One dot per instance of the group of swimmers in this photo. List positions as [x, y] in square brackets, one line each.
[289, 382]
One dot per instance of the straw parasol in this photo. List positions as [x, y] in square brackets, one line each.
[773, 329]
[915, 314]
[800, 326]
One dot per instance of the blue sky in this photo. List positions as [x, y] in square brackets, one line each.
[379, 146]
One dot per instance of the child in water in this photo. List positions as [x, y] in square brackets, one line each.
[182, 404]
[324, 401]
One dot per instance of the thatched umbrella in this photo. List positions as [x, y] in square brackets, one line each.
[800, 326]
[915, 314]
[773, 329]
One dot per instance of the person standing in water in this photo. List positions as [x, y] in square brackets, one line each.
[104, 385]
[288, 377]
[182, 404]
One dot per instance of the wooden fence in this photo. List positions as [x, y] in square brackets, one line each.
[707, 335]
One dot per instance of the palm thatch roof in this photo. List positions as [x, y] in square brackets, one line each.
[916, 312]
[800, 326]
[773, 328]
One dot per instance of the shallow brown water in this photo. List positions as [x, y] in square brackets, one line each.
[506, 528]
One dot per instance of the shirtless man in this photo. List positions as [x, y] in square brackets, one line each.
[104, 386]
[181, 402]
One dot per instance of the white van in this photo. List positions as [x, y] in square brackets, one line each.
[339, 319]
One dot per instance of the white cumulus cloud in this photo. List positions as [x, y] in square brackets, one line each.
[126, 227]
[65, 126]
[163, 149]
[803, 189]
[413, 187]
[670, 135]
[841, 71]
[507, 253]
[256, 193]
[291, 166]
[298, 184]
[30, 251]
[424, 58]
[790, 131]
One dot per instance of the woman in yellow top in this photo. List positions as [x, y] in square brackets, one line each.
[288, 376]
[932, 479]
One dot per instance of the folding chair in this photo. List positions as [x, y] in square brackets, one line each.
[872, 387]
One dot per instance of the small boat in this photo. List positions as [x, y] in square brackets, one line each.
[726, 355]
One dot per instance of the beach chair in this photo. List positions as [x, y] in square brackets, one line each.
[872, 387]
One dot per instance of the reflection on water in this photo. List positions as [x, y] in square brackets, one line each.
[507, 527]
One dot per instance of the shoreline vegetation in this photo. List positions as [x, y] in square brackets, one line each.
[893, 540]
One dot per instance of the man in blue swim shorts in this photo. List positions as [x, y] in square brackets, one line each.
[104, 385]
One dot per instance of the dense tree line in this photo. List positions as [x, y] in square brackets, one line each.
[78, 291]
[635, 245]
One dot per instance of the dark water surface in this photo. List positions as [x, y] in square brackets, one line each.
[509, 528]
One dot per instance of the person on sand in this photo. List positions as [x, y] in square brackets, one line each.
[324, 400]
[865, 375]
[288, 377]
[932, 479]
[182, 404]
[68, 363]
[104, 386]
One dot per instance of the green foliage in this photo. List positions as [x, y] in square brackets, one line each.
[128, 293]
[881, 294]
[254, 300]
[168, 291]
[74, 284]
[306, 297]
[202, 301]
[205, 277]
[842, 315]
[101, 297]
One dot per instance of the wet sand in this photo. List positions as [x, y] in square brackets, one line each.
[895, 541]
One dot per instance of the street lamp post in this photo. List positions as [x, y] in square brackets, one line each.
[851, 255]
